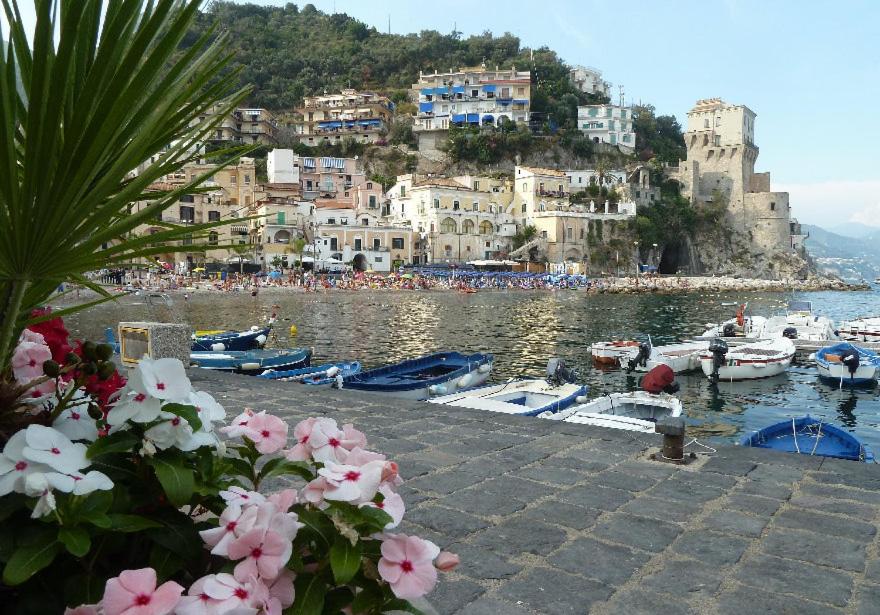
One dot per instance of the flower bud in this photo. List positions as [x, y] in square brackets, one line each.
[104, 351]
[105, 370]
[89, 369]
[95, 412]
[446, 561]
[71, 358]
[51, 368]
[89, 350]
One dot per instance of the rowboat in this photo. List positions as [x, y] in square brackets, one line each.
[435, 374]
[849, 365]
[809, 436]
[799, 323]
[611, 354]
[528, 397]
[231, 340]
[680, 358]
[861, 330]
[251, 362]
[635, 411]
[750, 361]
[315, 375]
[743, 325]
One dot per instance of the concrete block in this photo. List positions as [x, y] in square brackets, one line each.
[156, 340]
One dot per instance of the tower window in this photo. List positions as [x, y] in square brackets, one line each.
[772, 206]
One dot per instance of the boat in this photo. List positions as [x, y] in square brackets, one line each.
[635, 411]
[743, 325]
[435, 374]
[860, 330]
[799, 323]
[847, 364]
[232, 340]
[760, 359]
[251, 362]
[809, 436]
[611, 354]
[680, 358]
[314, 375]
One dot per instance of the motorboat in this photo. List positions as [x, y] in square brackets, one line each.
[613, 353]
[252, 339]
[760, 359]
[799, 323]
[635, 411]
[847, 364]
[744, 324]
[860, 330]
[432, 375]
[526, 397]
[680, 358]
[809, 436]
[251, 362]
[314, 375]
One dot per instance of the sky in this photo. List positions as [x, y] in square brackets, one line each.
[809, 69]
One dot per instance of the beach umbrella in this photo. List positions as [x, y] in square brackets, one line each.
[199, 269]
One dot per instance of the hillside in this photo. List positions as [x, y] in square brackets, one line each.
[851, 258]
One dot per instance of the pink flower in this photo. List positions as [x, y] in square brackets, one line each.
[355, 484]
[322, 440]
[314, 491]
[134, 592]
[359, 456]
[83, 609]
[268, 432]
[238, 426]
[281, 593]
[241, 496]
[391, 504]
[218, 594]
[27, 361]
[407, 564]
[263, 553]
[229, 528]
[302, 433]
[447, 561]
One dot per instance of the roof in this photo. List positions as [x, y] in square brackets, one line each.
[333, 204]
[441, 182]
[543, 171]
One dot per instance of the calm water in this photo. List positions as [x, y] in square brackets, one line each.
[524, 329]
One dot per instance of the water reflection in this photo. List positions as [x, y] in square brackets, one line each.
[524, 329]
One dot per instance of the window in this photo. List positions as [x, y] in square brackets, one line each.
[717, 140]
[334, 243]
[247, 178]
[343, 221]
[188, 215]
[541, 186]
[467, 227]
[369, 185]
[594, 112]
[706, 123]
[475, 93]
[365, 222]
[281, 217]
[397, 243]
[403, 191]
[476, 206]
[718, 121]
[544, 234]
[358, 244]
[520, 91]
[436, 203]
[582, 233]
[772, 206]
[485, 227]
[447, 250]
[524, 208]
[233, 179]
[569, 233]
[377, 259]
[213, 216]
[331, 220]
[448, 226]
[372, 200]
[213, 238]
[476, 184]
[455, 205]
[623, 114]
[377, 243]
[187, 240]
[187, 198]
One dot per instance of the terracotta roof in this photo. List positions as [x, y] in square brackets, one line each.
[443, 182]
[333, 204]
[542, 171]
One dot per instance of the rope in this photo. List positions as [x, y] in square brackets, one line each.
[794, 433]
[818, 435]
[701, 445]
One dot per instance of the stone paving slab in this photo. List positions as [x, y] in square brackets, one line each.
[553, 518]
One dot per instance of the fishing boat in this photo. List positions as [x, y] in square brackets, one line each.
[232, 340]
[315, 375]
[680, 358]
[611, 354]
[849, 365]
[635, 411]
[755, 360]
[799, 323]
[860, 330]
[435, 374]
[809, 436]
[251, 362]
[744, 324]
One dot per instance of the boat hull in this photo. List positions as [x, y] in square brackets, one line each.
[745, 369]
[252, 362]
[529, 397]
[637, 411]
[808, 436]
[315, 375]
[831, 369]
[680, 358]
[612, 354]
[231, 340]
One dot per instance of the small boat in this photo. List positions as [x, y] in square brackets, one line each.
[743, 325]
[611, 354]
[435, 374]
[252, 362]
[636, 411]
[847, 364]
[232, 340]
[680, 358]
[750, 361]
[809, 436]
[861, 330]
[799, 323]
[316, 374]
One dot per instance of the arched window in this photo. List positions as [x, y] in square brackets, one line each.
[485, 227]
[448, 226]
[467, 227]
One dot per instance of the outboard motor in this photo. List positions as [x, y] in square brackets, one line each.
[851, 360]
[790, 333]
[718, 348]
[558, 373]
[641, 357]
[660, 379]
[729, 330]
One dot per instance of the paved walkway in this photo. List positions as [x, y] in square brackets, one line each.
[556, 518]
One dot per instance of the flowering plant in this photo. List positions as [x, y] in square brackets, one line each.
[152, 504]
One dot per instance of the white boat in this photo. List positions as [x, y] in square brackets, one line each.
[612, 354]
[743, 325]
[528, 397]
[860, 330]
[680, 358]
[636, 411]
[756, 360]
[846, 364]
[800, 323]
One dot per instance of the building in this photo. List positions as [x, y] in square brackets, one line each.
[280, 168]
[326, 177]
[362, 116]
[245, 126]
[632, 184]
[721, 156]
[611, 124]
[589, 80]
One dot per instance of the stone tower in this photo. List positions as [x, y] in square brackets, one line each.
[721, 155]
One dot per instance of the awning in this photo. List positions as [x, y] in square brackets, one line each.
[488, 118]
[329, 124]
[473, 118]
[426, 107]
[520, 101]
[369, 122]
[458, 89]
[459, 118]
[239, 228]
[489, 87]
[427, 92]
[332, 163]
[309, 162]
[503, 101]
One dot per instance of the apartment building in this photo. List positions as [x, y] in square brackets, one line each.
[330, 118]
[589, 80]
[245, 126]
[611, 124]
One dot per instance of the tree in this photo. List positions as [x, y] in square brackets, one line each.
[524, 236]
[298, 245]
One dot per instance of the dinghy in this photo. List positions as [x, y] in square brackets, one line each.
[252, 362]
[680, 358]
[750, 361]
[861, 330]
[232, 340]
[849, 365]
[743, 325]
[799, 323]
[315, 375]
[635, 411]
[809, 436]
[611, 354]
[431, 375]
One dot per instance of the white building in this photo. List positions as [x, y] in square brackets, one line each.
[611, 124]
[581, 179]
[589, 80]
[279, 167]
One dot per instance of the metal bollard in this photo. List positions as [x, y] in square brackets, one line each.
[673, 438]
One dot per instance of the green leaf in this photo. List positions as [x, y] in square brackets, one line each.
[76, 539]
[30, 559]
[280, 466]
[309, 590]
[177, 481]
[190, 413]
[317, 528]
[119, 442]
[367, 599]
[336, 600]
[166, 563]
[241, 467]
[366, 518]
[95, 504]
[400, 605]
[131, 523]
[100, 520]
[345, 560]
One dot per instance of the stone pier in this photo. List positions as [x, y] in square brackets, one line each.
[554, 518]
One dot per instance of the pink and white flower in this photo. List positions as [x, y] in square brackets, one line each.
[447, 561]
[51, 447]
[302, 433]
[229, 528]
[281, 593]
[134, 406]
[220, 594]
[14, 468]
[83, 609]
[134, 592]
[407, 564]
[37, 486]
[171, 432]
[163, 379]
[83, 484]
[238, 426]
[391, 504]
[283, 499]
[331, 444]
[241, 496]
[28, 358]
[209, 410]
[268, 432]
[75, 423]
[263, 553]
[355, 484]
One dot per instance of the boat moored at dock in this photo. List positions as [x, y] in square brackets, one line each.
[252, 362]
[253, 339]
[315, 374]
[860, 330]
[809, 436]
[613, 353]
[846, 364]
[760, 359]
[635, 411]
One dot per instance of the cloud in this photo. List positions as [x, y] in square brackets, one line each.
[834, 202]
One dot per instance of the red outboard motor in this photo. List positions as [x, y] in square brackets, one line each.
[661, 379]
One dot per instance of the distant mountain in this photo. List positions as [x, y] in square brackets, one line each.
[851, 258]
[853, 229]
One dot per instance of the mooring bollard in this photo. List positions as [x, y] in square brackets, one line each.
[672, 429]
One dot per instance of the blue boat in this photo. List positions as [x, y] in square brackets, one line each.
[252, 362]
[847, 364]
[316, 374]
[435, 374]
[232, 340]
[809, 436]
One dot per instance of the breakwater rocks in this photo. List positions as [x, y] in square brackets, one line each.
[680, 284]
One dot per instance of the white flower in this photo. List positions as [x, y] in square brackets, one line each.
[84, 484]
[14, 468]
[172, 432]
[75, 422]
[53, 448]
[242, 497]
[356, 484]
[134, 406]
[209, 410]
[163, 379]
[37, 486]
